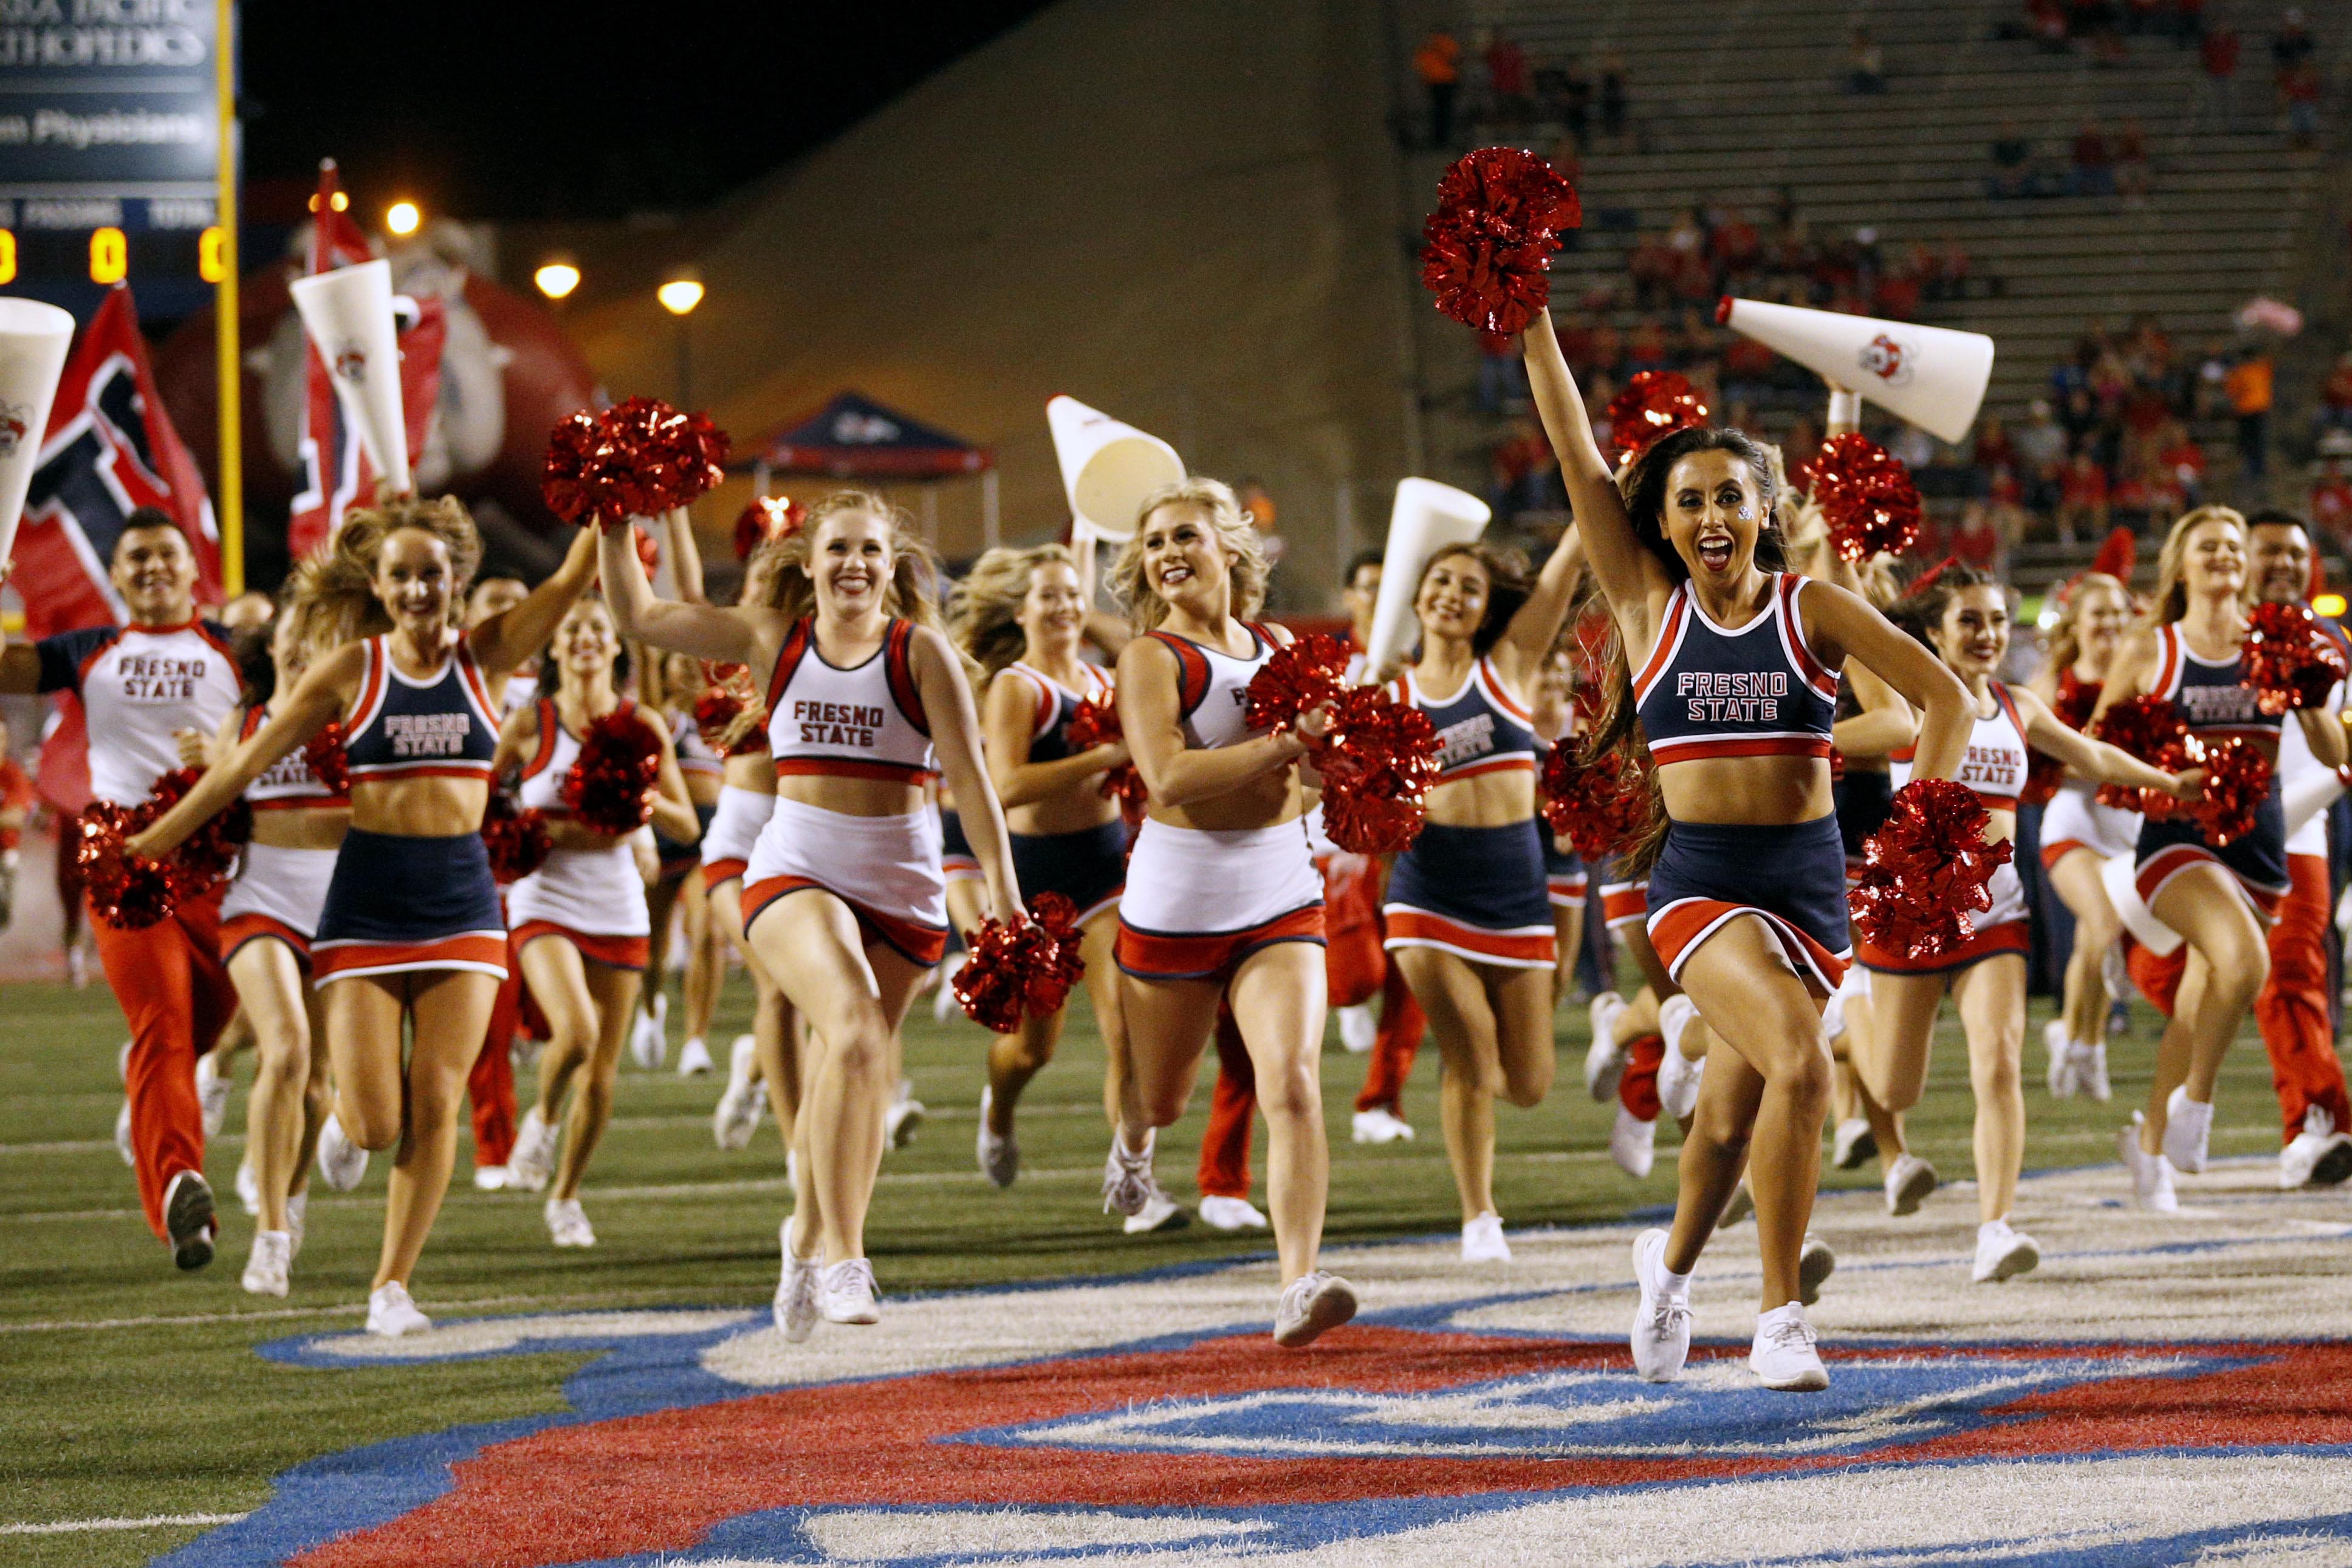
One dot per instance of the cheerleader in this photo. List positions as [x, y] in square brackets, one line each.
[1469, 918]
[1552, 716]
[843, 898]
[2079, 835]
[1021, 616]
[1965, 619]
[705, 776]
[409, 938]
[580, 924]
[1222, 899]
[2189, 648]
[1747, 883]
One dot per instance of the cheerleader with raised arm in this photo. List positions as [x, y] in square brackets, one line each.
[580, 922]
[1965, 619]
[843, 899]
[2189, 648]
[1747, 883]
[410, 940]
[1222, 902]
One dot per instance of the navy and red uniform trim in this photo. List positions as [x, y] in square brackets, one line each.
[1193, 669]
[1753, 691]
[899, 676]
[239, 929]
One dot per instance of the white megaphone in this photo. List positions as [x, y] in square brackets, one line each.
[1932, 376]
[348, 313]
[34, 338]
[1107, 468]
[1428, 516]
[2120, 877]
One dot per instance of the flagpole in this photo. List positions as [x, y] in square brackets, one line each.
[224, 309]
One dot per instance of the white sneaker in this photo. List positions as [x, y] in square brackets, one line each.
[2319, 1155]
[1604, 1059]
[1815, 1263]
[845, 1294]
[648, 1039]
[265, 1265]
[1783, 1358]
[999, 1157]
[693, 1058]
[1852, 1144]
[1633, 1144]
[1231, 1214]
[1909, 1180]
[2151, 1173]
[2062, 1082]
[1159, 1212]
[341, 1161]
[1483, 1242]
[122, 1144]
[2090, 1072]
[212, 1089]
[1312, 1305]
[796, 1311]
[1662, 1322]
[1678, 1075]
[1379, 1125]
[2187, 1130]
[489, 1178]
[904, 1115]
[737, 1115]
[391, 1312]
[1126, 1183]
[2003, 1253]
[567, 1223]
[1360, 1027]
[297, 1204]
[248, 1187]
[532, 1161]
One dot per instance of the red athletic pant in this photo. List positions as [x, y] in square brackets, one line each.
[490, 1085]
[2292, 1011]
[1233, 1099]
[176, 996]
[1393, 1050]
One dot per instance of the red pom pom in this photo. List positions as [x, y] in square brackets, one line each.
[637, 459]
[327, 762]
[518, 842]
[125, 891]
[767, 517]
[1378, 762]
[613, 781]
[2237, 781]
[1301, 676]
[1498, 217]
[209, 854]
[2151, 729]
[1654, 404]
[1023, 969]
[1926, 869]
[1598, 804]
[1097, 724]
[2288, 659]
[1866, 494]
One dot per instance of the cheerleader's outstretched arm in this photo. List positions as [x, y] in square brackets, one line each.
[705, 631]
[1847, 625]
[1633, 579]
[955, 736]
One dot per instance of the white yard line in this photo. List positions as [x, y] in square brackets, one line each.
[151, 1521]
[614, 1300]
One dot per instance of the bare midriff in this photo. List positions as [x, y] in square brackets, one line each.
[419, 808]
[851, 797]
[1484, 800]
[1073, 811]
[749, 770]
[301, 827]
[570, 833]
[1747, 791]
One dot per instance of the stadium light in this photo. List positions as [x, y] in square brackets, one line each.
[2330, 604]
[680, 296]
[557, 279]
[402, 218]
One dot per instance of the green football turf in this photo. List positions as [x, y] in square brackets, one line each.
[133, 1391]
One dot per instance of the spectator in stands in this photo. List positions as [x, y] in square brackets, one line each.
[16, 806]
[2132, 177]
[1652, 268]
[1500, 377]
[2045, 23]
[2184, 460]
[1438, 64]
[1524, 465]
[2092, 171]
[2013, 164]
[1565, 95]
[1735, 249]
[2082, 499]
[1866, 71]
[2217, 54]
[2300, 86]
[1615, 96]
[2335, 410]
[2331, 503]
[1508, 80]
[2247, 388]
[2211, 399]
[2041, 444]
[2293, 44]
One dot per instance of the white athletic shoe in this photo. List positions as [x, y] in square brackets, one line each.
[1604, 1059]
[737, 1115]
[1783, 1358]
[1909, 1180]
[1379, 1125]
[2151, 1173]
[1483, 1241]
[1159, 1212]
[1678, 1075]
[490, 1178]
[341, 1161]
[1662, 1322]
[1231, 1214]
[904, 1115]
[2188, 1129]
[2319, 1155]
[567, 1223]
[265, 1265]
[999, 1157]
[122, 1144]
[648, 1039]
[694, 1058]
[1127, 1184]
[2003, 1253]
[391, 1313]
[945, 1005]
[212, 1089]
[248, 1187]
[1852, 1144]
[845, 1294]
[1815, 1263]
[2063, 1085]
[532, 1161]
[796, 1294]
[1633, 1144]
[1360, 1027]
[297, 1206]
[1312, 1305]
[2090, 1072]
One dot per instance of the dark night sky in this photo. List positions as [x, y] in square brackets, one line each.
[520, 110]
